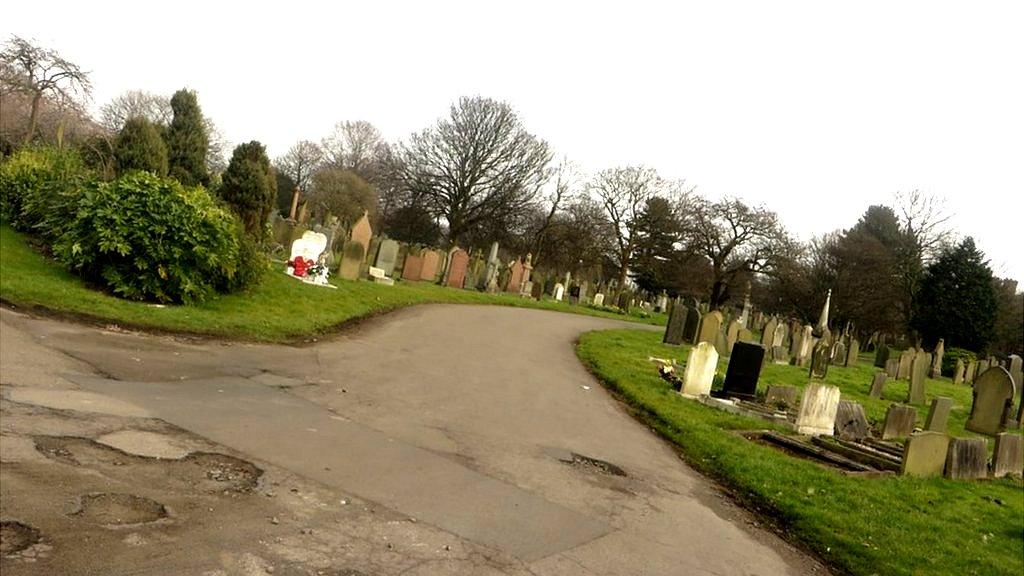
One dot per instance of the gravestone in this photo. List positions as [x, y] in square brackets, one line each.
[1008, 457]
[881, 356]
[428, 270]
[878, 384]
[918, 370]
[906, 361]
[559, 291]
[838, 356]
[768, 334]
[781, 397]
[732, 334]
[936, 367]
[806, 346]
[983, 365]
[537, 290]
[692, 326]
[387, 255]
[958, 372]
[900, 420]
[780, 335]
[924, 454]
[971, 373]
[892, 367]
[710, 326]
[515, 277]
[744, 370]
[938, 414]
[850, 422]
[779, 355]
[967, 458]
[993, 402]
[351, 260]
[853, 353]
[361, 232]
[699, 374]
[817, 415]
[623, 302]
[599, 299]
[795, 340]
[413, 267]
[676, 321]
[820, 360]
[1016, 370]
[746, 336]
[581, 292]
[457, 268]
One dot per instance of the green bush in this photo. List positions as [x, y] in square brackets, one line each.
[148, 238]
[139, 147]
[36, 187]
[950, 356]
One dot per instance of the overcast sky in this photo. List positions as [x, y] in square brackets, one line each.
[814, 109]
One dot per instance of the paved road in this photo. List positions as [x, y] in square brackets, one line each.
[463, 417]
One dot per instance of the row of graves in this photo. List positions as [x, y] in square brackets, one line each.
[835, 431]
[318, 252]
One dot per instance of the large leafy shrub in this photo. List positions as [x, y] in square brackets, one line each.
[951, 355]
[36, 187]
[148, 238]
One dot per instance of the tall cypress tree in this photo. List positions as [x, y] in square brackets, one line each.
[139, 147]
[249, 186]
[187, 140]
[957, 300]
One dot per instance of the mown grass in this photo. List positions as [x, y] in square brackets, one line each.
[279, 309]
[887, 525]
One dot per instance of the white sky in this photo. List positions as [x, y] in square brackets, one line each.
[815, 109]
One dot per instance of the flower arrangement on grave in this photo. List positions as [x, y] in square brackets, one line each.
[299, 266]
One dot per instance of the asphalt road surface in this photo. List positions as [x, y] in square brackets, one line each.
[438, 439]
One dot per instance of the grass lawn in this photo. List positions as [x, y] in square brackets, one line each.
[888, 525]
[279, 309]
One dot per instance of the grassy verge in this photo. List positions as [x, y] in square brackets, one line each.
[886, 525]
[279, 309]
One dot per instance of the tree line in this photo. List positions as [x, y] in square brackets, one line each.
[478, 175]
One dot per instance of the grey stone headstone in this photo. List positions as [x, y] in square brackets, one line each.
[676, 323]
[1008, 458]
[938, 414]
[351, 260]
[993, 402]
[906, 361]
[878, 384]
[958, 372]
[899, 421]
[918, 370]
[744, 370]
[853, 353]
[779, 396]
[924, 454]
[387, 256]
[692, 324]
[820, 360]
[851, 422]
[892, 367]
[1016, 370]
[881, 356]
[967, 458]
[935, 370]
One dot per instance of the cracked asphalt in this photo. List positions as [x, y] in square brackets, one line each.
[437, 439]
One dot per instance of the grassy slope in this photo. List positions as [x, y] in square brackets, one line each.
[279, 309]
[886, 526]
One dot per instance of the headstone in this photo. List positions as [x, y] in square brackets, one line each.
[699, 374]
[851, 423]
[967, 458]
[732, 334]
[515, 277]
[768, 334]
[710, 326]
[938, 414]
[906, 361]
[599, 299]
[838, 354]
[918, 371]
[676, 321]
[387, 255]
[780, 335]
[1008, 458]
[993, 402]
[971, 372]
[936, 367]
[559, 291]
[779, 355]
[746, 335]
[820, 360]
[1016, 370]
[924, 454]
[818, 409]
[806, 346]
[351, 260]
[794, 340]
[692, 326]
[490, 279]
[983, 365]
[881, 356]
[457, 268]
[900, 420]
[537, 290]
[361, 232]
[892, 367]
[958, 372]
[527, 284]
[853, 353]
[781, 397]
[743, 371]
[878, 384]
[413, 267]
[581, 292]
[431, 258]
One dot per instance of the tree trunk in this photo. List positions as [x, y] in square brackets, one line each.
[33, 118]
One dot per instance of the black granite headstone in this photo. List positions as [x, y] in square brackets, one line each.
[692, 324]
[744, 370]
[676, 322]
[881, 356]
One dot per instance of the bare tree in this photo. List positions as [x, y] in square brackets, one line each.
[40, 72]
[479, 166]
[153, 107]
[560, 192]
[217, 147]
[623, 192]
[356, 146]
[300, 162]
[736, 239]
[925, 233]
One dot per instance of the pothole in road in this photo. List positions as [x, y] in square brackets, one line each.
[119, 509]
[592, 464]
[15, 537]
[237, 474]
